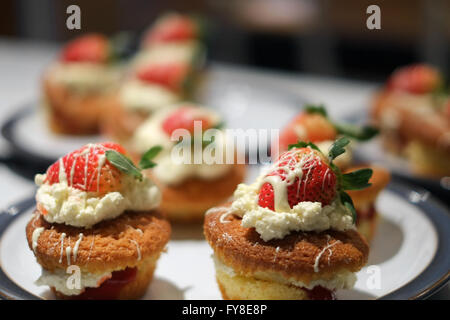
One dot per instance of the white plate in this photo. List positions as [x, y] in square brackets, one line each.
[404, 246]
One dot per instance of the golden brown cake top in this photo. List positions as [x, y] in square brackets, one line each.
[110, 245]
[304, 255]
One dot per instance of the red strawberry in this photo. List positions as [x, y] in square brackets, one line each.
[184, 118]
[88, 48]
[172, 28]
[418, 79]
[170, 75]
[312, 127]
[318, 182]
[87, 169]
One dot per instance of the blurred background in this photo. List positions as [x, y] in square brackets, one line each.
[323, 37]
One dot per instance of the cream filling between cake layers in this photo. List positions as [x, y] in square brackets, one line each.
[172, 167]
[167, 53]
[65, 204]
[85, 77]
[341, 280]
[140, 96]
[71, 284]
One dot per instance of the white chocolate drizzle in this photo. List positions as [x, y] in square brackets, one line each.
[138, 249]
[61, 239]
[328, 247]
[90, 248]
[36, 234]
[226, 212]
[294, 163]
[77, 245]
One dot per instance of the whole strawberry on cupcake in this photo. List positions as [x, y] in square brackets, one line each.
[313, 124]
[80, 85]
[97, 220]
[291, 234]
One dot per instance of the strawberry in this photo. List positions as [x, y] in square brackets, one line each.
[88, 169]
[309, 176]
[172, 28]
[417, 79]
[170, 75]
[314, 125]
[183, 118]
[306, 126]
[318, 182]
[88, 48]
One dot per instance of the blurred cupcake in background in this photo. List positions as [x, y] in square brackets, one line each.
[80, 86]
[161, 73]
[413, 113]
[193, 184]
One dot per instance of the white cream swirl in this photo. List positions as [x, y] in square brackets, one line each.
[139, 96]
[59, 280]
[170, 169]
[85, 77]
[65, 204]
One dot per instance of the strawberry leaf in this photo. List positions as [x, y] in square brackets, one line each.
[302, 144]
[122, 163]
[147, 159]
[348, 203]
[320, 109]
[355, 180]
[363, 133]
[338, 148]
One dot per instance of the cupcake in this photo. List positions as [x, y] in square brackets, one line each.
[189, 180]
[291, 234]
[412, 112]
[96, 230]
[79, 88]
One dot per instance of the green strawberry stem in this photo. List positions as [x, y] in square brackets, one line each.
[361, 133]
[124, 164]
[147, 159]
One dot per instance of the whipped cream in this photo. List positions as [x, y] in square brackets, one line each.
[182, 52]
[59, 279]
[85, 77]
[140, 96]
[305, 216]
[169, 171]
[71, 206]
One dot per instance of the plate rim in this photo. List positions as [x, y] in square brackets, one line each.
[7, 131]
[433, 208]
